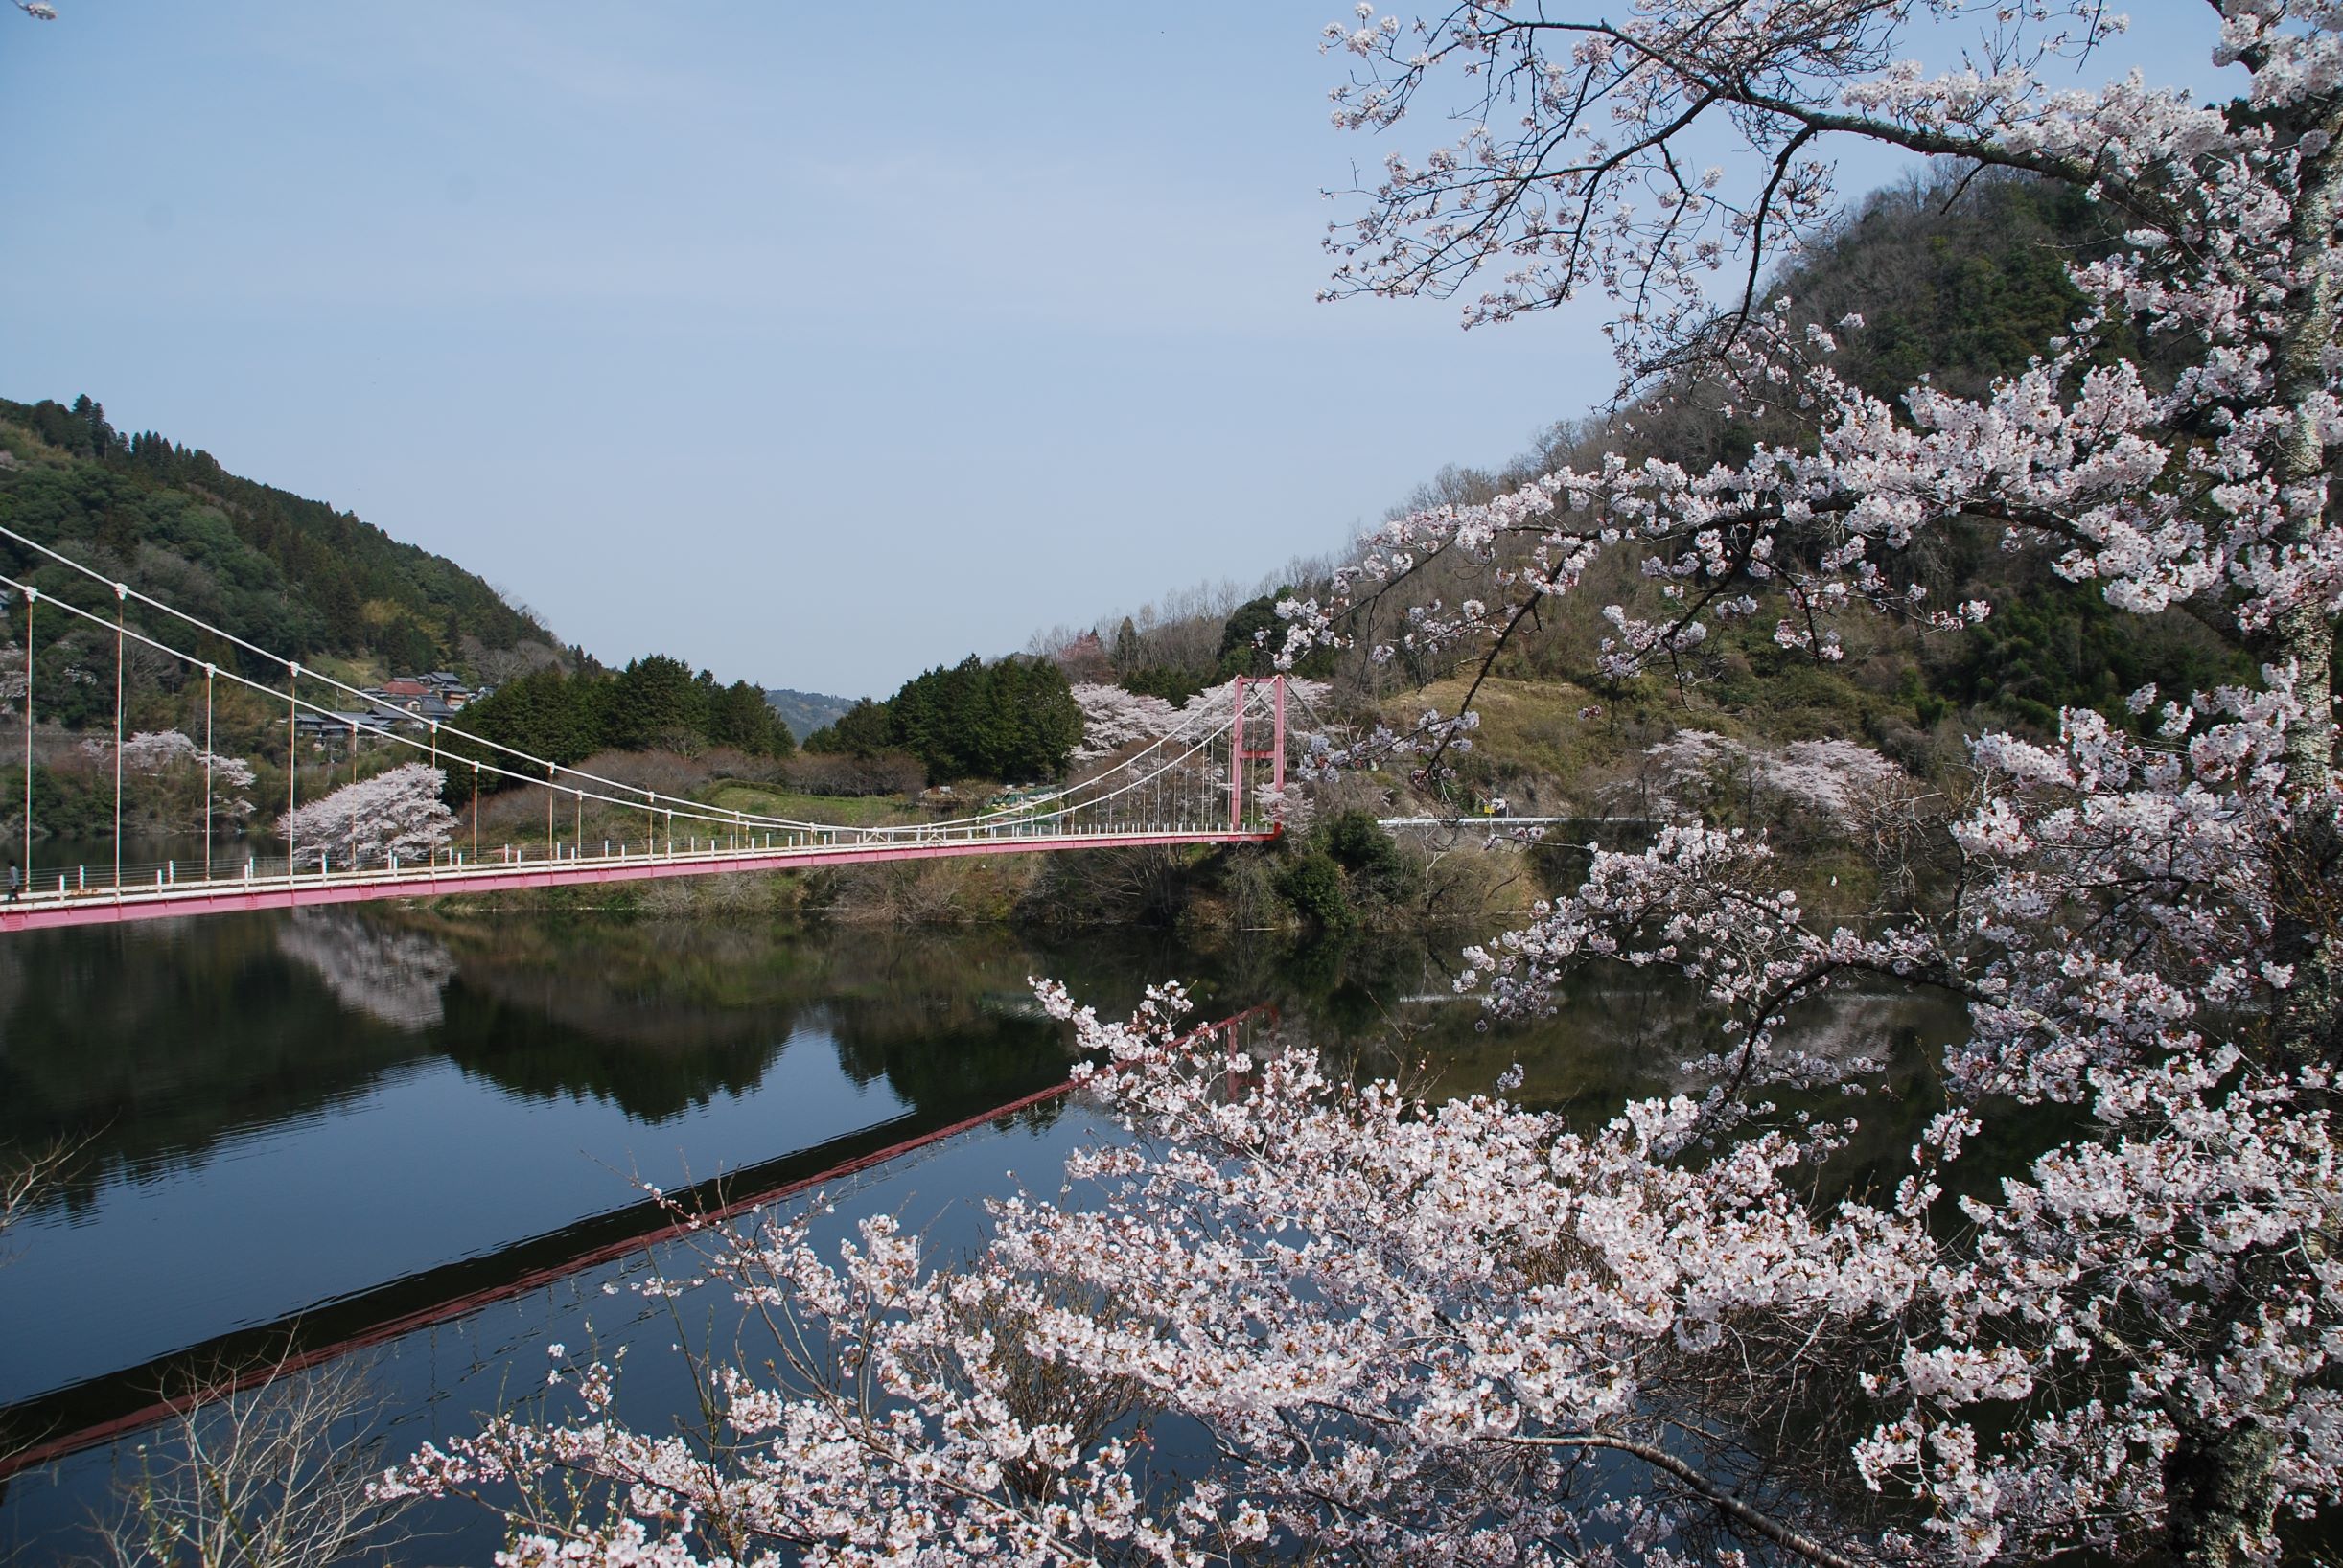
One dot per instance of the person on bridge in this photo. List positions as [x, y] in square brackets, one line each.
[15, 883]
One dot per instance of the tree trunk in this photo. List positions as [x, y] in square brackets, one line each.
[2310, 1021]
[2218, 1501]
[2221, 1499]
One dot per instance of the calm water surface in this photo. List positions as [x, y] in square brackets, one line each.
[306, 1130]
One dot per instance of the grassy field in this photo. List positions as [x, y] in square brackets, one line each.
[771, 800]
[1532, 726]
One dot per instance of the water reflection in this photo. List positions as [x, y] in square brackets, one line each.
[157, 1041]
[290, 1111]
[657, 1016]
[392, 974]
[306, 1126]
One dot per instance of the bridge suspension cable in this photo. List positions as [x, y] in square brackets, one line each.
[1186, 785]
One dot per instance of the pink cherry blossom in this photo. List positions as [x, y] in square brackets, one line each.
[1469, 1332]
[397, 812]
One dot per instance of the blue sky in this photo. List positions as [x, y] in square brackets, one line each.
[811, 344]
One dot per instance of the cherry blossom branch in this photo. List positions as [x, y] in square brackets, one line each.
[1707, 1491]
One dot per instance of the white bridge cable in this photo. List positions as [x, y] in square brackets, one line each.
[1224, 725]
[644, 795]
[637, 797]
[1220, 724]
[654, 803]
[1202, 748]
[1022, 811]
[696, 812]
[1027, 811]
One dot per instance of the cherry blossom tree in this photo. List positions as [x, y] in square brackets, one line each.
[1834, 780]
[1405, 1327]
[1416, 1333]
[180, 784]
[1572, 173]
[2145, 930]
[395, 814]
[1113, 718]
[160, 751]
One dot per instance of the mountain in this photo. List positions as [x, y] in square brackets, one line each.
[806, 711]
[294, 575]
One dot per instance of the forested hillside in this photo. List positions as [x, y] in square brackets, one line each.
[292, 574]
[302, 580]
[1950, 283]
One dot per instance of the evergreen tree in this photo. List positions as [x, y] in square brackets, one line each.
[656, 704]
[1013, 720]
[545, 713]
[862, 730]
[738, 716]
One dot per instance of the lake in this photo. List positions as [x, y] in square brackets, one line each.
[415, 1141]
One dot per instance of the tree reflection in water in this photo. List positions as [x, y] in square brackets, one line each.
[160, 1042]
[393, 975]
[157, 1041]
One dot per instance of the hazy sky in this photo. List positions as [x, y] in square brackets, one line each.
[814, 344]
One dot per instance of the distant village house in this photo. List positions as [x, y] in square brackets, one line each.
[402, 702]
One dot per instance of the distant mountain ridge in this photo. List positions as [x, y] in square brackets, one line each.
[806, 711]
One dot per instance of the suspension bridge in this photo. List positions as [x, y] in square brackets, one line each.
[1218, 777]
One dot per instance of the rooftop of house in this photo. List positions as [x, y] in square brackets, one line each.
[430, 704]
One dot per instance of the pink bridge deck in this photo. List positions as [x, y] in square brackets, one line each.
[45, 910]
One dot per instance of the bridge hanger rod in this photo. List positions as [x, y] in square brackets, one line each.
[689, 809]
[639, 792]
[636, 795]
[1131, 761]
[696, 810]
[1201, 747]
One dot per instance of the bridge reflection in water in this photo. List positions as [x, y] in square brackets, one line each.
[101, 1410]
